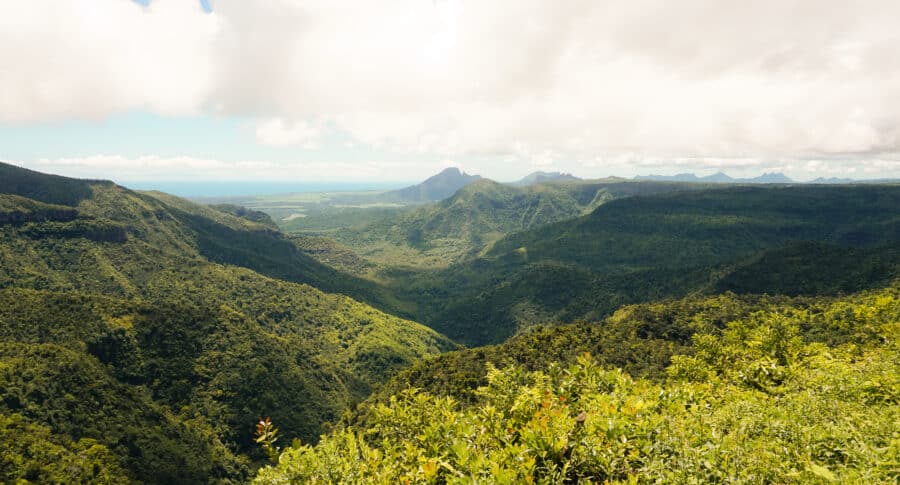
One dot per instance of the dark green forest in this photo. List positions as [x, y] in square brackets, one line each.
[780, 240]
[566, 332]
[188, 322]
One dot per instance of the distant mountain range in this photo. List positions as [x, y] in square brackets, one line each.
[835, 180]
[832, 180]
[543, 177]
[721, 178]
[446, 183]
[434, 188]
[766, 178]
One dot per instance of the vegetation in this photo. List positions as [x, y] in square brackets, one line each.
[249, 214]
[50, 189]
[76, 397]
[145, 338]
[646, 248]
[793, 392]
[330, 252]
[184, 348]
[640, 339]
[324, 212]
[30, 453]
[464, 225]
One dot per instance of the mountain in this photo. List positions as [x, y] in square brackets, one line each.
[648, 247]
[461, 226]
[434, 188]
[162, 330]
[142, 336]
[835, 180]
[831, 180]
[719, 178]
[716, 178]
[768, 178]
[544, 177]
[685, 177]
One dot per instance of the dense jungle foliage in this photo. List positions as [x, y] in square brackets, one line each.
[789, 391]
[791, 240]
[735, 335]
[151, 340]
[463, 225]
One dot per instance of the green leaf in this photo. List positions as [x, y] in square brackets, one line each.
[822, 472]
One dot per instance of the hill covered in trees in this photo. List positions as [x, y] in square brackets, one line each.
[801, 390]
[648, 247]
[479, 214]
[143, 336]
[155, 332]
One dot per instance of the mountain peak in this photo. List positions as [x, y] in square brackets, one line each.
[771, 178]
[437, 187]
[449, 171]
[720, 178]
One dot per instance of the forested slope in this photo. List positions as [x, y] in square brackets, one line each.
[754, 390]
[145, 295]
[464, 224]
[794, 240]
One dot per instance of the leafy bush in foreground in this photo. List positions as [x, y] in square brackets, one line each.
[754, 403]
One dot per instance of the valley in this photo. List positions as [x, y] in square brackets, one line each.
[193, 321]
[449, 242]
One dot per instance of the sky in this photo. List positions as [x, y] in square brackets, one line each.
[395, 90]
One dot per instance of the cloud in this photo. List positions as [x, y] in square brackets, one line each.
[694, 80]
[276, 132]
[86, 60]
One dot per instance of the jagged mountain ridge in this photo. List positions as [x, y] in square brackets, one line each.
[437, 187]
[540, 177]
[720, 178]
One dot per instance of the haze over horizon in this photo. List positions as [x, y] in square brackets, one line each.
[228, 189]
[225, 91]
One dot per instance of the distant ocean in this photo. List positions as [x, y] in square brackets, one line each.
[241, 189]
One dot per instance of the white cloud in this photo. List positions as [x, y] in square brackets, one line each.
[692, 82]
[278, 133]
[74, 59]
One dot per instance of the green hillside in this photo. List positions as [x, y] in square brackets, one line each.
[644, 248]
[52, 458]
[462, 226]
[76, 397]
[143, 336]
[195, 314]
[752, 390]
[51, 189]
[249, 214]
